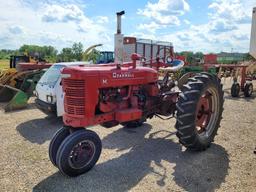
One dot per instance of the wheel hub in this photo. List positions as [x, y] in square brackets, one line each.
[204, 112]
[81, 154]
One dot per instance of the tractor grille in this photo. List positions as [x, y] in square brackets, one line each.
[74, 96]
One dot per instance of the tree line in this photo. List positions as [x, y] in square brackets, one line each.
[50, 53]
[76, 53]
[67, 54]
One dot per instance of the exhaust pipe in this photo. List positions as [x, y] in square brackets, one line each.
[119, 21]
[119, 39]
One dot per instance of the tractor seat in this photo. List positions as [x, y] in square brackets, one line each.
[173, 66]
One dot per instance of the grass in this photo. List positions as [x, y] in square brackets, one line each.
[4, 64]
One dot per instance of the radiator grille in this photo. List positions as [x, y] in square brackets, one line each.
[74, 96]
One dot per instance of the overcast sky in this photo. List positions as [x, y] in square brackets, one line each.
[196, 25]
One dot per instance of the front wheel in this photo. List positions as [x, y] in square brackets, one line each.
[248, 90]
[56, 141]
[79, 152]
[235, 89]
[199, 111]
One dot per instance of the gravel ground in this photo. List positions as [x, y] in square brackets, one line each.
[148, 158]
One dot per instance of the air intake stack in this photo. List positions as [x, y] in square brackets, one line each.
[119, 39]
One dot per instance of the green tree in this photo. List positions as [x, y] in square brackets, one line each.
[48, 53]
[199, 55]
[77, 50]
[6, 53]
[189, 55]
[66, 55]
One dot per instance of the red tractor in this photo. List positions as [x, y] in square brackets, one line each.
[125, 94]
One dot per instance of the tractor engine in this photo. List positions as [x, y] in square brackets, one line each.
[109, 95]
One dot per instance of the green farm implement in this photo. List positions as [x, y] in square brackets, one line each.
[16, 93]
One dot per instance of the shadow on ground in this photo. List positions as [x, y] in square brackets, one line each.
[193, 171]
[39, 130]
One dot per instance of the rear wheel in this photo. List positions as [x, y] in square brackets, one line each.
[248, 90]
[55, 143]
[199, 111]
[79, 152]
[235, 89]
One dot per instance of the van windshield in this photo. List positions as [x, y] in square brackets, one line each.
[52, 75]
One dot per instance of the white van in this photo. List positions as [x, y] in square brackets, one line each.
[49, 94]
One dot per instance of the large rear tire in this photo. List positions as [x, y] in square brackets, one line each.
[79, 152]
[199, 111]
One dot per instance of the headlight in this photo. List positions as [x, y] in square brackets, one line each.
[49, 98]
[65, 75]
[35, 93]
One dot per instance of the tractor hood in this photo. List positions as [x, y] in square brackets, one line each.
[111, 76]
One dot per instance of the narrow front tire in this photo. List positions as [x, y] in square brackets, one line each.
[55, 143]
[79, 152]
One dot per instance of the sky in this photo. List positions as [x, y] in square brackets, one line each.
[191, 25]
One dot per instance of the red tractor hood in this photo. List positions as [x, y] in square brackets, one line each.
[110, 76]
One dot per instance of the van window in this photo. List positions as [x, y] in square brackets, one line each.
[52, 75]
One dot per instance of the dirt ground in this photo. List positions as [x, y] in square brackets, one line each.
[148, 158]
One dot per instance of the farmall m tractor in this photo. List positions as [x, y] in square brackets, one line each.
[128, 94]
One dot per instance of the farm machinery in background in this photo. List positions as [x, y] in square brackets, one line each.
[19, 89]
[128, 93]
[237, 71]
[150, 49]
[100, 56]
[18, 82]
[105, 57]
[248, 68]
[244, 71]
